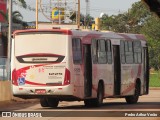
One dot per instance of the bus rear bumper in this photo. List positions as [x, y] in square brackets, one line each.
[43, 91]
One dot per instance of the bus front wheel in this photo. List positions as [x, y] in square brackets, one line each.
[134, 98]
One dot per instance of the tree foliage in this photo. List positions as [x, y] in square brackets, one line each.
[128, 22]
[23, 2]
[151, 30]
[139, 20]
[16, 17]
[84, 20]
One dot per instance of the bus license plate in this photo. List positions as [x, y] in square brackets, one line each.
[40, 91]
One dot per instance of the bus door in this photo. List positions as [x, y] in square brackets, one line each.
[117, 70]
[146, 71]
[87, 70]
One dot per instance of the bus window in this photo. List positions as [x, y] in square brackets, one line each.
[130, 46]
[137, 52]
[77, 50]
[122, 52]
[102, 58]
[94, 51]
[109, 51]
[129, 52]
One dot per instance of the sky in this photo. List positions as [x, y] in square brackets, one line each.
[97, 7]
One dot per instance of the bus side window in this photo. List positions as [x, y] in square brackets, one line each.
[137, 52]
[77, 50]
[102, 57]
[122, 51]
[129, 52]
[109, 51]
[94, 51]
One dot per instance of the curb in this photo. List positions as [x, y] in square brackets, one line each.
[5, 103]
[13, 102]
[154, 88]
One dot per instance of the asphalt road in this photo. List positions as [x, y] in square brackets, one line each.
[148, 108]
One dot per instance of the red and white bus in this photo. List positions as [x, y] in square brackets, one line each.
[68, 65]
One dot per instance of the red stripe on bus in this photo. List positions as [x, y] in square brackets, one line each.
[94, 88]
[139, 71]
[33, 83]
[41, 55]
[65, 32]
[87, 39]
[131, 87]
[33, 66]
[125, 36]
[41, 84]
[140, 37]
[22, 73]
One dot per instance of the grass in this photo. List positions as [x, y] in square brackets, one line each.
[154, 79]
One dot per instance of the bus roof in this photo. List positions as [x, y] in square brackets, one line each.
[62, 31]
[108, 34]
[84, 33]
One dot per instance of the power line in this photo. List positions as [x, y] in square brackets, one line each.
[45, 6]
[87, 7]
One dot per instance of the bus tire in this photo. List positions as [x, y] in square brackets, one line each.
[134, 98]
[97, 102]
[52, 102]
[100, 95]
[43, 102]
[89, 102]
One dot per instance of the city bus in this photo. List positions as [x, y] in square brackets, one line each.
[56, 65]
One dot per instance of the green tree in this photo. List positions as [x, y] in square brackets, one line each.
[120, 23]
[16, 17]
[88, 21]
[128, 22]
[151, 30]
[138, 19]
[73, 17]
[23, 2]
[107, 22]
[116, 23]
[137, 16]
[85, 20]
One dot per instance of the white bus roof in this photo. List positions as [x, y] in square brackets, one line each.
[84, 33]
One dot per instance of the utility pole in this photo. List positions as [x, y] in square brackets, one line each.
[59, 11]
[9, 37]
[87, 7]
[79, 14]
[87, 13]
[36, 14]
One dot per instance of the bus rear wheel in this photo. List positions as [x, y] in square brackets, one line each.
[52, 102]
[97, 102]
[134, 98]
[43, 102]
[89, 103]
[100, 94]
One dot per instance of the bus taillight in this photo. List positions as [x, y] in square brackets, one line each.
[14, 78]
[67, 77]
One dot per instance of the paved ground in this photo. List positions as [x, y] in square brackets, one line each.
[76, 110]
